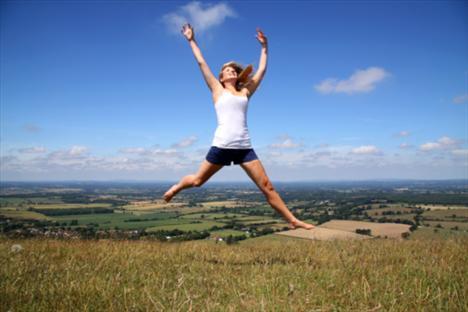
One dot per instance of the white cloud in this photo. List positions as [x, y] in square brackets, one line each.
[153, 163]
[461, 99]
[76, 158]
[132, 150]
[360, 81]
[405, 145]
[366, 150]
[185, 142]
[285, 141]
[443, 143]
[32, 150]
[201, 16]
[77, 150]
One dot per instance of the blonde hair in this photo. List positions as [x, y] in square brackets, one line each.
[243, 81]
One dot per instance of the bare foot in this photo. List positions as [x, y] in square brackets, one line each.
[170, 193]
[299, 224]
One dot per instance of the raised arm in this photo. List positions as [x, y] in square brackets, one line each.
[210, 79]
[262, 65]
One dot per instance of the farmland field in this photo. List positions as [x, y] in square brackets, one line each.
[377, 229]
[186, 226]
[116, 248]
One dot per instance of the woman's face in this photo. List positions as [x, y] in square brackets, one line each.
[229, 73]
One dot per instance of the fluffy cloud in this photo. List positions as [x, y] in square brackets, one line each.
[185, 142]
[443, 143]
[77, 150]
[132, 150]
[324, 161]
[360, 81]
[366, 150]
[285, 141]
[201, 17]
[78, 158]
[32, 150]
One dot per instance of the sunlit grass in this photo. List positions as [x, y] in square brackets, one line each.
[270, 273]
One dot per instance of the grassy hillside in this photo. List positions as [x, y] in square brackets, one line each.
[270, 273]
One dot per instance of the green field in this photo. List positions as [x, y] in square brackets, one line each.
[111, 220]
[459, 213]
[224, 233]
[23, 214]
[204, 225]
[447, 224]
[212, 215]
[70, 206]
[424, 232]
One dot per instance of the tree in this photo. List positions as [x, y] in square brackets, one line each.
[405, 235]
[363, 231]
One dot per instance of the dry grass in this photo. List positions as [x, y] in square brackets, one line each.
[264, 274]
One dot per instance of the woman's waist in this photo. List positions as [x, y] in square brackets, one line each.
[232, 131]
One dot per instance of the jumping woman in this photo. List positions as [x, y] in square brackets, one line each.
[231, 143]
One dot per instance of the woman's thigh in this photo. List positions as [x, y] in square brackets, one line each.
[206, 170]
[256, 172]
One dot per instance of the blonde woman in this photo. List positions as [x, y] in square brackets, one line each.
[231, 143]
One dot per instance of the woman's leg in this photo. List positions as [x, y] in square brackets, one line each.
[257, 173]
[206, 170]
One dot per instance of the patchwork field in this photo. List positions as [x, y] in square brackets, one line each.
[224, 233]
[381, 211]
[321, 233]
[447, 224]
[445, 213]
[230, 204]
[69, 206]
[186, 226]
[23, 214]
[152, 205]
[391, 230]
[442, 207]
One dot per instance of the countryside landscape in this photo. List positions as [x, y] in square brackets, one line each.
[377, 246]
[232, 211]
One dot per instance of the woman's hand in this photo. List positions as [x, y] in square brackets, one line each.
[188, 32]
[261, 37]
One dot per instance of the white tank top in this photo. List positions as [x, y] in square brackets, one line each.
[231, 112]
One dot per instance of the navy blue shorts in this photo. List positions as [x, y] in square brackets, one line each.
[224, 156]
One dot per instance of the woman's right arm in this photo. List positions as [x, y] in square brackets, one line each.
[210, 79]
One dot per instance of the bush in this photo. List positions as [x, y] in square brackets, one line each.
[363, 231]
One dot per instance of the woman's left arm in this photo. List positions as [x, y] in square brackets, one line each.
[262, 65]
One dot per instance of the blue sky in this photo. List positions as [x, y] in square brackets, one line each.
[354, 90]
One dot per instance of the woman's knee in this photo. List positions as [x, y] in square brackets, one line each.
[267, 187]
[197, 182]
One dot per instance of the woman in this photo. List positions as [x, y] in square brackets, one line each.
[231, 142]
